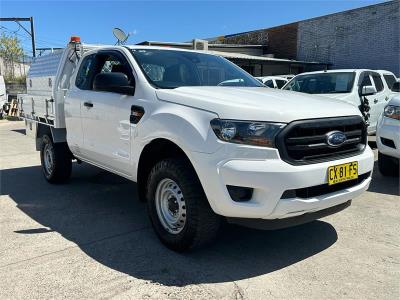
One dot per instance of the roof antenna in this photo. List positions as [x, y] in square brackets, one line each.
[120, 35]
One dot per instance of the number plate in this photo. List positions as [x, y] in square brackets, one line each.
[341, 173]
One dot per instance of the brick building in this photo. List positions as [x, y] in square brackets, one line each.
[367, 37]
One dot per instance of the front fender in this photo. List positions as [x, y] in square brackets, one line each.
[187, 127]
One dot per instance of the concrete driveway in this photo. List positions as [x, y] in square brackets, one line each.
[91, 238]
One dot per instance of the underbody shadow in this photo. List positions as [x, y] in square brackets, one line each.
[101, 214]
[21, 131]
[384, 184]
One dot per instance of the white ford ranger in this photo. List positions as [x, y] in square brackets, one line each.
[204, 140]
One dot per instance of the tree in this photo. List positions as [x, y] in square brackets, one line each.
[11, 52]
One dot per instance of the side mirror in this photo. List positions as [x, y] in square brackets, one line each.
[114, 82]
[368, 90]
[396, 87]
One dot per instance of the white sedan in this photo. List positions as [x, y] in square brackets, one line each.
[388, 138]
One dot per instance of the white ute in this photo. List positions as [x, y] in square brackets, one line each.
[366, 89]
[201, 151]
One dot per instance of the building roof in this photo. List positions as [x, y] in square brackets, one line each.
[190, 44]
[262, 58]
[231, 55]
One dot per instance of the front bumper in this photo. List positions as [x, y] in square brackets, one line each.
[388, 129]
[269, 176]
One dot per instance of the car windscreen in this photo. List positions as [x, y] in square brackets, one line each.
[174, 68]
[322, 83]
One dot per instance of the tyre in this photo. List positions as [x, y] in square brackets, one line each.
[178, 208]
[388, 166]
[56, 160]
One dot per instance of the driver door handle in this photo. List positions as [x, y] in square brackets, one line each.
[88, 104]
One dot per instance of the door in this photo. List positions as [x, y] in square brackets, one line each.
[74, 98]
[366, 80]
[379, 99]
[105, 118]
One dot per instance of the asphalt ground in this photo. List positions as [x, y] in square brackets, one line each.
[91, 238]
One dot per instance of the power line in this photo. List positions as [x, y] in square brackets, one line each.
[47, 42]
[31, 32]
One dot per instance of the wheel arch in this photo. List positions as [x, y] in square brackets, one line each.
[155, 151]
[58, 135]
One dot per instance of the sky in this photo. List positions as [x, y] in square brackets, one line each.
[172, 21]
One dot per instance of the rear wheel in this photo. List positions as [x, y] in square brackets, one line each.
[56, 160]
[178, 208]
[388, 166]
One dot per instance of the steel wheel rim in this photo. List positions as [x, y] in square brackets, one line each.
[170, 206]
[48, 158]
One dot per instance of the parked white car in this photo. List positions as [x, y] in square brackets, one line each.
[274, 82]
[199, 152]
[286, 76]
[388, 138]
[365, 89]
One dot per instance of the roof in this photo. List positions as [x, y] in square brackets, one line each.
[231, 55]
[261, 58]
[190, 44]
[348, 71]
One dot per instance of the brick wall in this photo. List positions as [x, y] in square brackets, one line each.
[281, 41]
[362, 38]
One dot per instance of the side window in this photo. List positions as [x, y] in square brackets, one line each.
[366, 81]
[114, 63]
[83, 77]
[280, 83]
[378, 82]
[390, 80]
[269, 83]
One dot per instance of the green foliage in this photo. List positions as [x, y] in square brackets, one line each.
[11, 52]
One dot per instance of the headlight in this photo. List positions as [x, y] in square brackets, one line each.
[392, 111]
[245, 132]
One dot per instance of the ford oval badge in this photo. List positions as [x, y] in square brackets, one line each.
[335, 138]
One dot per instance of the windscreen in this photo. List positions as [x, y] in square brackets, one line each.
[322, 83]
[173, 68]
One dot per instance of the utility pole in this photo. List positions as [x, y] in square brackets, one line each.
[31, 32]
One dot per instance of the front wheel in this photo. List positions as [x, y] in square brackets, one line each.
[178, 208]
[56, 160]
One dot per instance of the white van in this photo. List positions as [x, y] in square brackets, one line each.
[365, 89]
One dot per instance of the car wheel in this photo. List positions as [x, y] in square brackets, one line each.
[178, 208]
[388, 166]
[56, 160]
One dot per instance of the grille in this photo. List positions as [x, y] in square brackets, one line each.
[305, 141]
[323, 189]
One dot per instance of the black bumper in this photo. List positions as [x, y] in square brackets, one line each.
[288, 222]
